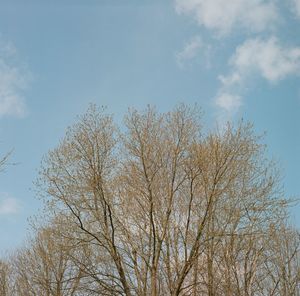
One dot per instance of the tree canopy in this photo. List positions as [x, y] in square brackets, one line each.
[159, 207]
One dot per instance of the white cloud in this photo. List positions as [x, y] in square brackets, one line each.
[195, 50]
[296, 7]
[222, 16]
[191, 48]
[190, 51]
[13, 81]
[228, 102]
[231, 79]
[9, 206]
[265, 58]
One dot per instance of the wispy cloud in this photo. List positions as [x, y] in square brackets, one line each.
[9, 205]
[7, 48]
[258, 57]
[14, 79]
[265, 58]
[229, 102]
[223, 16]
[190, 51]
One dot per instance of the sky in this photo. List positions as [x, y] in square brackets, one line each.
[234, 58]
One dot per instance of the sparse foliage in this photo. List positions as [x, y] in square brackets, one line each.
[161, 209]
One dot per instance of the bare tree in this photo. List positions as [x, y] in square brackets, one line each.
[45, 267]
[4, 278]
[162, 209]
[282, 262]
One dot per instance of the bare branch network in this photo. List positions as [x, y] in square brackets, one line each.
[158, 209]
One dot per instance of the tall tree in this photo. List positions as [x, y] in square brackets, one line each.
[164, 209]
[4, 278]
[45, 266]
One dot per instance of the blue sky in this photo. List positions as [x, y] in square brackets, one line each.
[238, 59]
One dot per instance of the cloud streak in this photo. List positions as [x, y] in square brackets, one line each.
[190, 51]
